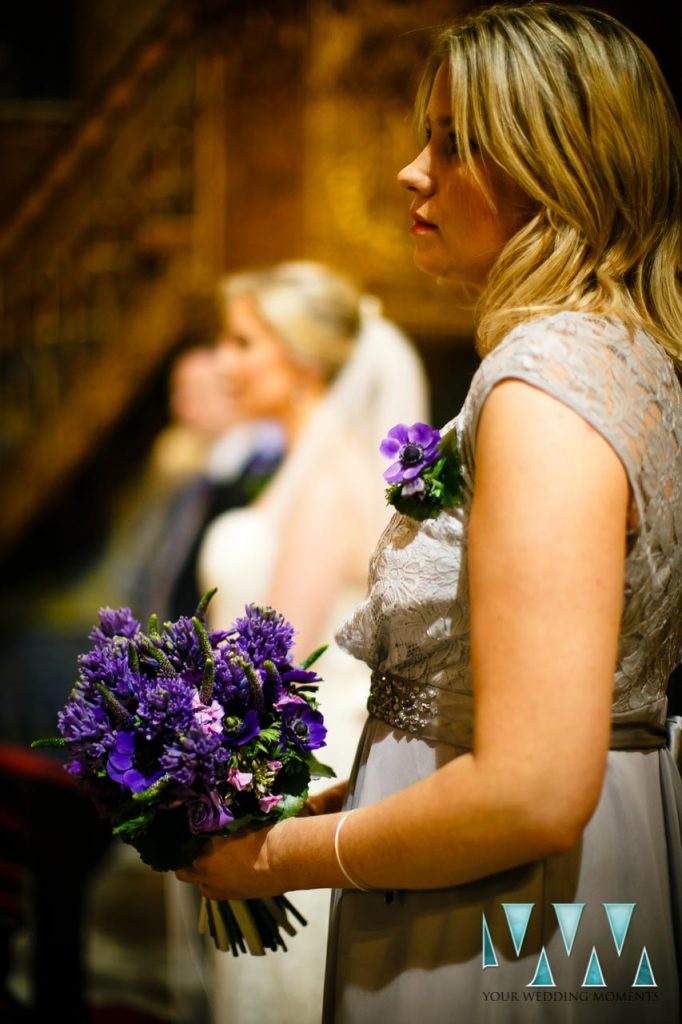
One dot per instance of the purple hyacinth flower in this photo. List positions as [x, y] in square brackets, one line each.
[115, 622]
[413, 449]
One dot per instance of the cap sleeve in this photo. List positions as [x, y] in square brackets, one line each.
[613, 378]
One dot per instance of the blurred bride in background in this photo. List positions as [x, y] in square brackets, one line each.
[303, 347]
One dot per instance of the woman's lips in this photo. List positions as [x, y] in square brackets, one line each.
[421, 226]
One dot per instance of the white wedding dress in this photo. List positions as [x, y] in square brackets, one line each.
[383, 383]
[285, 988]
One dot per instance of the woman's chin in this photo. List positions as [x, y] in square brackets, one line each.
[427, 265]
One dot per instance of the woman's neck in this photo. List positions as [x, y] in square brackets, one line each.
[295, 417]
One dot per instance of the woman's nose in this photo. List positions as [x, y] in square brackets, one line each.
[417, 177]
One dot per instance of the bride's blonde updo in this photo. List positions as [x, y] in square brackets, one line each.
[312, 308]
[574, 108]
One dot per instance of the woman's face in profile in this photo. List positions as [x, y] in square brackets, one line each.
[259, 375]
[457, 235]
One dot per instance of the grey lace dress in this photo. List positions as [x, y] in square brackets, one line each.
[592, 935]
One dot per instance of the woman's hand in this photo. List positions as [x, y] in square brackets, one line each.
[297, 853]
[233, 867]
[329, 801]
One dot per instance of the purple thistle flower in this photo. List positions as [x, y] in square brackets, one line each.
[115, 622]
[303, 726]
[413, 448]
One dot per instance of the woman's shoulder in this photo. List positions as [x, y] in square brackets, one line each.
[617, 378]
[577, 338]
[582, 359]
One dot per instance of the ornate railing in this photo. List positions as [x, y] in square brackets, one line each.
[95, 264]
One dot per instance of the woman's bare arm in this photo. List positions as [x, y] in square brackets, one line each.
[546, 561]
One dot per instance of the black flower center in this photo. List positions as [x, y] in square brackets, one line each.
[300, 729]
[411, 454]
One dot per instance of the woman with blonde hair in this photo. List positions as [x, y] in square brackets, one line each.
[303, 348]
[509, 845]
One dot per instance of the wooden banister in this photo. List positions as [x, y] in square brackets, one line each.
[173, 24]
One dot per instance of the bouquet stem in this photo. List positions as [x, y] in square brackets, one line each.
[253, 925]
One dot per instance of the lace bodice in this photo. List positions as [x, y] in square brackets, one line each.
[414, 622]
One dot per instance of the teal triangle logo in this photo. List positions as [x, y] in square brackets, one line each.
[593, 975]
[518, 915]
[543, 977]
[645, 976]
[489, 956]
[568, 915]
[619, 915]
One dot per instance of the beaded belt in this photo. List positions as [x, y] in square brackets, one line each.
[431, 712]
[444, 715]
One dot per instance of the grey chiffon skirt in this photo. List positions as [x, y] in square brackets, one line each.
[592, 935]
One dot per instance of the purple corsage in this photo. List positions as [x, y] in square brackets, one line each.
[426, 471]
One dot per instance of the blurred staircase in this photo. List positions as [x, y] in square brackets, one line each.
[103, 256]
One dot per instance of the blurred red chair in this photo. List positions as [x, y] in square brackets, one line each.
[51, 839]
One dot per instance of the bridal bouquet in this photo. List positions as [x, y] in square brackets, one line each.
[178, 733]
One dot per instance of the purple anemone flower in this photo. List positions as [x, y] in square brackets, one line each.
[120, 764]
[248, 728]
[303, 726]
[413, 449]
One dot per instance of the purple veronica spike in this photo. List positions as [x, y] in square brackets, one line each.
[413, 448]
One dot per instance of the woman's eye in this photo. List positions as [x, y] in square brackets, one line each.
[453, 144]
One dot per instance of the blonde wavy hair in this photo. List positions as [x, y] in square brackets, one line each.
[315, 310]
[575, 109]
